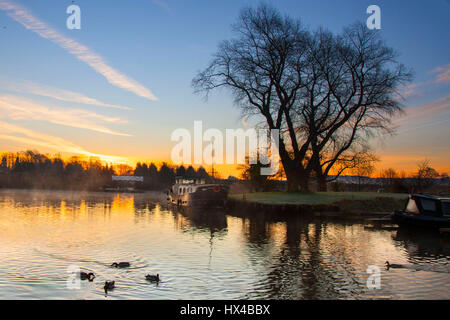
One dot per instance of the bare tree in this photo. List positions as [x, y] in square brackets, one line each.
[352, 97]
[389, 175]
[363, 165]
[263, 67]
[425, 175]
[324, 92]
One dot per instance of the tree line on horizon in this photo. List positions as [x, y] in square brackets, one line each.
[31, 169]
[424, 179]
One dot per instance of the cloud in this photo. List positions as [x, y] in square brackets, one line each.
[83, 53]
[18, 108]
[443, 74]
[437, 107]
[55, 93]
[163, 4]
[410, 91]
[434, 113]
[29, 137]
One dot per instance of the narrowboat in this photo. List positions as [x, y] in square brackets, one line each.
[424, 210]
[191, 193]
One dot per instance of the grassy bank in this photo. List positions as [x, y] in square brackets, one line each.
[345, 201]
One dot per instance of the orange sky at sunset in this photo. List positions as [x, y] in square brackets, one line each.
[406, 163]
[119, 93]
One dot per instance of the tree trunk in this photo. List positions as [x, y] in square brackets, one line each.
[322, 183]
[297, 182]
[321, 176]
[297, 179]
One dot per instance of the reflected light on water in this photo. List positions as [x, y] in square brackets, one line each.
[203, 254]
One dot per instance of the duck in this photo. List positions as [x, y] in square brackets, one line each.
[152, 277]
[109, 285]
[120, 265]
[87, 276]
[394, 265]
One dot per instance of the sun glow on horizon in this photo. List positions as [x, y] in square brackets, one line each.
[401, 164]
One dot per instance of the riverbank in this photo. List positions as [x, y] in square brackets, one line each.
[319, 203]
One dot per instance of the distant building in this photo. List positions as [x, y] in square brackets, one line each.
[128, 179]
[125, 183]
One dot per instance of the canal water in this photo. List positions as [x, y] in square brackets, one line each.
[45, 235]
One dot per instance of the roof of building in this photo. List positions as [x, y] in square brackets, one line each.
[128, 178]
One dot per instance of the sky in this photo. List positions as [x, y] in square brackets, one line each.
[119, 86]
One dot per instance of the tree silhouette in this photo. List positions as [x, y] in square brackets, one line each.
[325, 92]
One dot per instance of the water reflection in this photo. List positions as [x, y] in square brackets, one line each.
[203, 254]
[423, 245]
[212, 220]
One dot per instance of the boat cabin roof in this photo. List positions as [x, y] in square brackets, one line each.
[181, 188]
[184, 181]
[428, 205]
[430, 197]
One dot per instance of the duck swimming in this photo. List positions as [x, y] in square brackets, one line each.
[394, 265]
[87, 276]
[152, 277]
[120, 265]
[109, 285]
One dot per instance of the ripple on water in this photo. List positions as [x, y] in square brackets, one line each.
[206, 255]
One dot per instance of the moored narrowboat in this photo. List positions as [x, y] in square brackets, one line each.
[424, 210]
[186, 193]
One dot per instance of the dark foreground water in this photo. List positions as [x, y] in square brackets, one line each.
[203, 255]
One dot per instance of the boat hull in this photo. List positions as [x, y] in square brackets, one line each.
[404, 218]
[203, 199]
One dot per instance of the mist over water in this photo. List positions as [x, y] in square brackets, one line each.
[203, 254]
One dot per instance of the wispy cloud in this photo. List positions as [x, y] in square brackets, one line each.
[437, 107]
[18, 108]
[29, 137]
[163, 4]
[410, 91]
[443, 74]
[55, 93]
[434, 113]
[83, 53]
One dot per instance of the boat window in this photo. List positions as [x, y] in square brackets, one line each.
[428, 205]
[412, 207]
[446, 208]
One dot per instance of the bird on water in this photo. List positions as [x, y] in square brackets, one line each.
[120, 265]
[393, 265]
[87, 276]
[152, 277]
[109, 285]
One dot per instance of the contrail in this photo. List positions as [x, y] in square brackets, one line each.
[83, 53]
